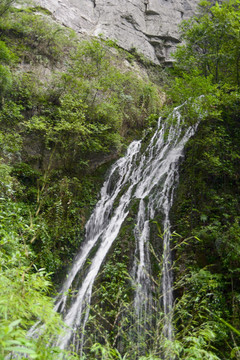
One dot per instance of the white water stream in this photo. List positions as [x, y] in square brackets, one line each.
[151, 176]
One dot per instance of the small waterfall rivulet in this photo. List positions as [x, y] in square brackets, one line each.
[151, 176]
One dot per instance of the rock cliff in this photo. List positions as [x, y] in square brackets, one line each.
[150, 26]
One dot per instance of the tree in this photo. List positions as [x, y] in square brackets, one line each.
[5, 5]
[212, 42]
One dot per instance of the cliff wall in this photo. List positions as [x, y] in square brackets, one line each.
[150, 26]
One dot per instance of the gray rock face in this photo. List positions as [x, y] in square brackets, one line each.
[150, 26]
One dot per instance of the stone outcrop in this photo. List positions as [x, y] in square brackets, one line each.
[150, 26]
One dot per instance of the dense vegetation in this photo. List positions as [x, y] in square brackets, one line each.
[205, 79]
[68, 107]
[207, 203]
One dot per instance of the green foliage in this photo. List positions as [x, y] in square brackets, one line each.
[207, 202]
[109, 316]
[212, 42]
[106, 353]
[6, 56]
[24, 289]
[207, 65]
[65, 107]
[5, 72]
[5, 6]
[54, 122]
[198, 316]
[207, 199]
[199, 96]
[113, 97]
[33, 31]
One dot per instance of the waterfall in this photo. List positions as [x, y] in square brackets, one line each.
[151, 176]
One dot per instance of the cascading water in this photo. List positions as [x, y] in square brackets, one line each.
[150, 176]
